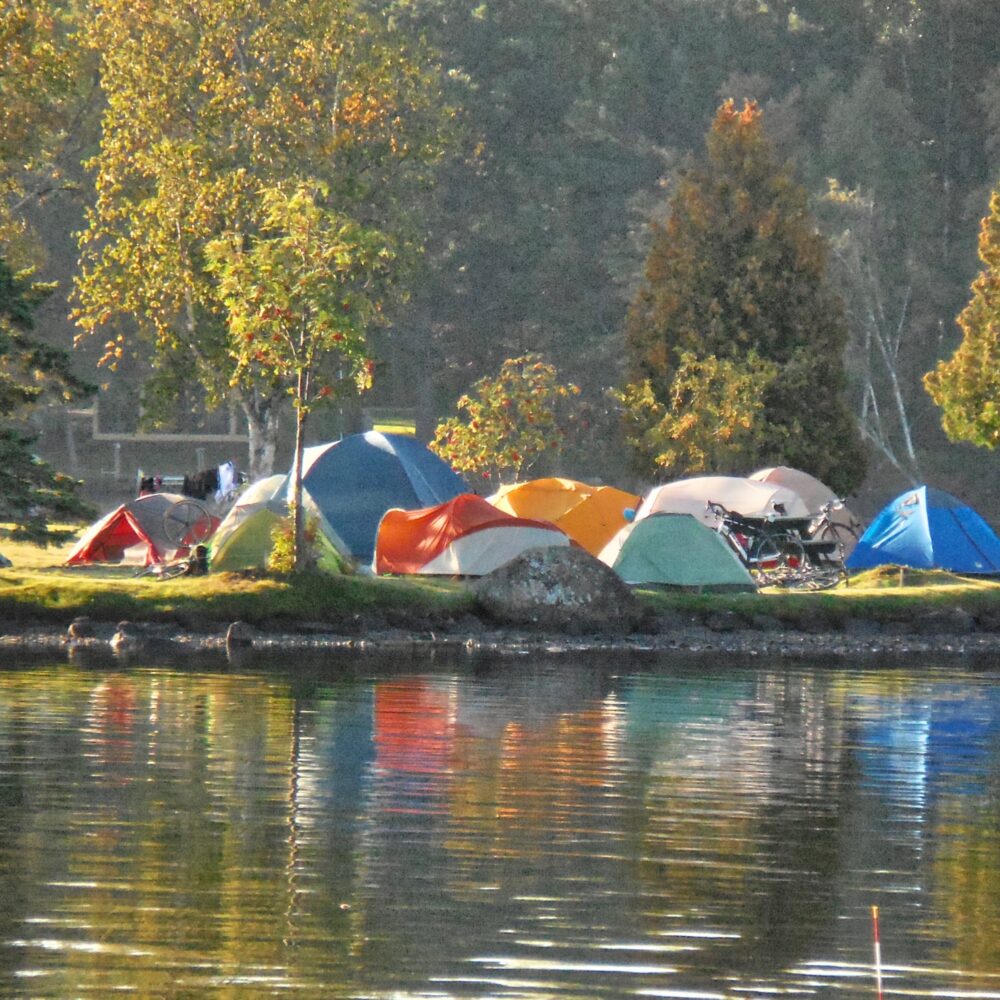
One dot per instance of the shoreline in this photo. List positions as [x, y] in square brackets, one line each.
[858, 640]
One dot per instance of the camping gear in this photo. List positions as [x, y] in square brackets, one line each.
[466, 536]
[590, 515]
[926, 528]
[844, 526]
[743, 496]
[133, 532]
[350, 484]
[675, 550]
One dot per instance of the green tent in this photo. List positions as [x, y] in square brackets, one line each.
[248, 544]
[675, 550]
[243, 540]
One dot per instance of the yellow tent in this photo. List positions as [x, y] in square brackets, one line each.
[590, 515]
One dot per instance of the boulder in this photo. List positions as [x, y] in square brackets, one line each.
[240, 634]
[559, 588]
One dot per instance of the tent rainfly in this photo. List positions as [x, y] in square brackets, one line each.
[928, 529]
[590, 515]
[744, 496]
[133, 532]
[351, 483]
[466, 536]
[675, 550]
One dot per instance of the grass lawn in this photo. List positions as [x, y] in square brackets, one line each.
[39, 588]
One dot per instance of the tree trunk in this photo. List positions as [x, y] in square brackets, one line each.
[298, 514]
[261, 414]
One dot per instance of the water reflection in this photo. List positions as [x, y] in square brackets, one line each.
[517, 829]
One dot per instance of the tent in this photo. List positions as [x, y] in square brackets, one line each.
[465, 536]
[351, 483]
[928, 529]
[744, 496]
[590, 515]
[243, 539]
[815, 494]
[133, 532]
[675, 550]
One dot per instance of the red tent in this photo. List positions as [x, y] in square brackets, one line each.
[466, 536]
[136, 525]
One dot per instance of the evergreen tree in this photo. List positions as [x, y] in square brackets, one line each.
[31, 493]
[967, 386]
[738, 270]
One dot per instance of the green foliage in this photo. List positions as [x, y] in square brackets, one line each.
[301, 295]
[967, 386]
[299, 298]
[738, 271]
[37, 69]
[283, 558]
[209, 108]
[31, 493]
[509, 421]
[710, 420]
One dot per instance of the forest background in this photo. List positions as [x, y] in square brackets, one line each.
[572, 121]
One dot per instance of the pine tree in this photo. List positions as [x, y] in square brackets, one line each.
[738, 271]
[31, 492]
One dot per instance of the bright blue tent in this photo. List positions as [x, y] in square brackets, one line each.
[928, 529]
[354, 481]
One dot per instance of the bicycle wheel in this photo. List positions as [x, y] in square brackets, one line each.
[187, 522]
[841, 535]
[776, 558]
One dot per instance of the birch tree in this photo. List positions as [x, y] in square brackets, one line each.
[210, 103]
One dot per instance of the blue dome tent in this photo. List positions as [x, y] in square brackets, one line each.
[351, 483]
[928, 529]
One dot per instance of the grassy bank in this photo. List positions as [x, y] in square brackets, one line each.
[38, 589]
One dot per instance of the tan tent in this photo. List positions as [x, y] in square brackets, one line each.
[815, 494]
[590, 515]
[744, 496]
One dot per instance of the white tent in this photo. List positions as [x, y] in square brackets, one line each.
[744, 496]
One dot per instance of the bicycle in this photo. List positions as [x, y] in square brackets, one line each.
[827, 543]
[773, 553]
[195, 564]
[824, 528]
[190, 522]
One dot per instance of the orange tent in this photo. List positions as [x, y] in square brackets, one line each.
[466, 536]
[590, 515]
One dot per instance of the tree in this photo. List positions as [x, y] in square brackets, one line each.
[510, 421]
[739, 269]
[300, 297]
[37, 77]
[967, 385]
[709, 420]
[209, 105]
[31, 492]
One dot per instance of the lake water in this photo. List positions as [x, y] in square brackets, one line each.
[524, 827]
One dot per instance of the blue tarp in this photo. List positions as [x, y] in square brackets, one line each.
[928, 529]
[354, 481]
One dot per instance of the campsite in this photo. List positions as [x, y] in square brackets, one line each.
[384, 504]
[399, 539]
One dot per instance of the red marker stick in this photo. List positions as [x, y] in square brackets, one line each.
[878, 954]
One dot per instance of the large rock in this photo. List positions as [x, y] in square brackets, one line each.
[561, 588]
